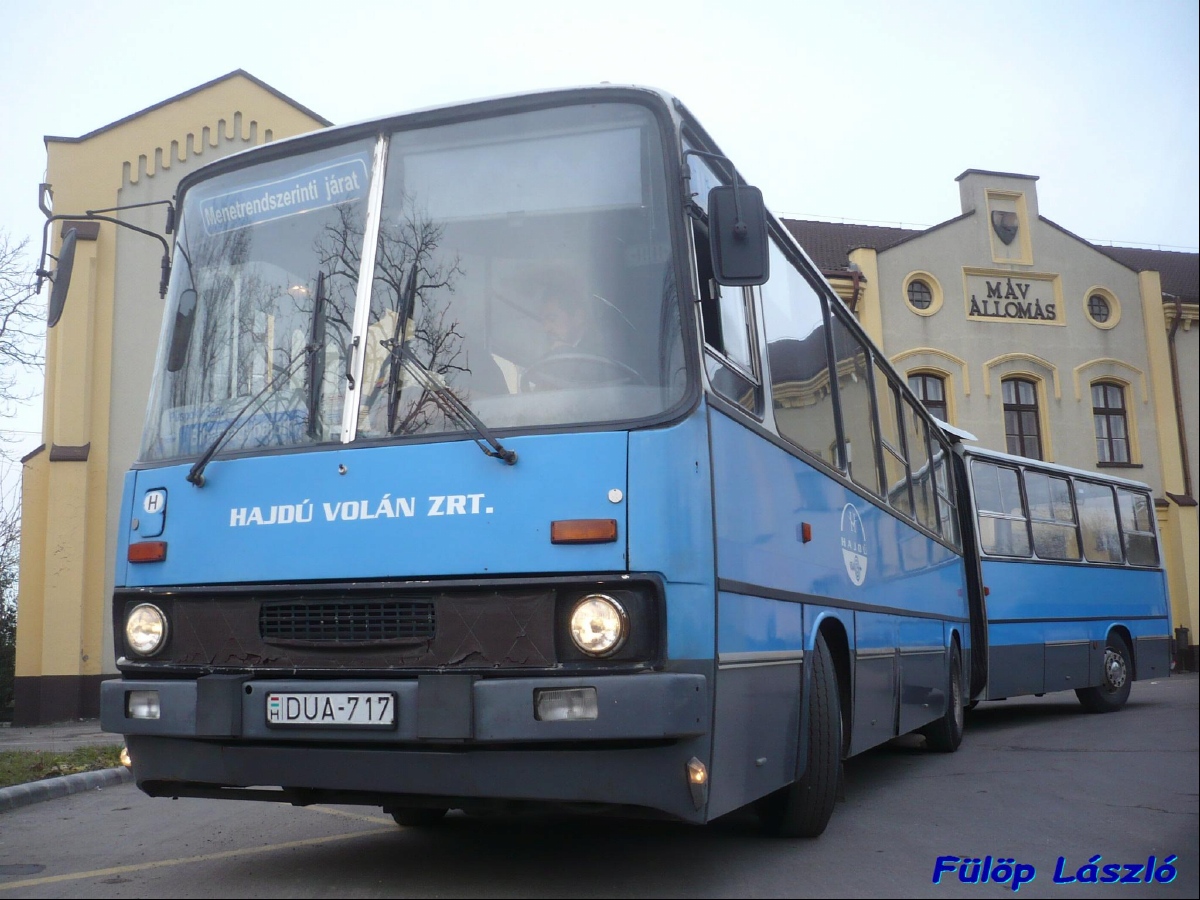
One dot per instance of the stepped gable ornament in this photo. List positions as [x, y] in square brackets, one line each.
[1005, 224]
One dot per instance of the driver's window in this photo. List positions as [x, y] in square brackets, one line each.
[726, 319]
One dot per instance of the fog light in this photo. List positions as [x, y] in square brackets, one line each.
[142, 705]
[125, 760]
[566, 705]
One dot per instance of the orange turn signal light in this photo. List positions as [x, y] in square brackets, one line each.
[583, 531]
[148, 551]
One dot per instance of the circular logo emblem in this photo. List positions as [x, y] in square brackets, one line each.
[854, 545]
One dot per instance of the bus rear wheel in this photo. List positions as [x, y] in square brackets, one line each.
[804, 807]
[1116, 680]
[945, 734]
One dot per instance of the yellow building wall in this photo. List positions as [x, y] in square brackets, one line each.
[1177, 522]
[62, 601]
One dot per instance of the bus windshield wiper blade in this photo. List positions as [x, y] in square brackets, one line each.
[449, 402]
[196, 475]
[315, 366]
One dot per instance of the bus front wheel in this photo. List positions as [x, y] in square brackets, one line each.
[945, 734]
[804, 807]
[1113, 690]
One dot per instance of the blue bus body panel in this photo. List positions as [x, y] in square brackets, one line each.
[753, 625]
[764, 495]
[1044, 592]
[670, 528]
[410, 511]
[1048, 623]
[890, 589]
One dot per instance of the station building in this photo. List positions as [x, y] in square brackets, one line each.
[99, 359]
[1041, 344]
[1006, 325]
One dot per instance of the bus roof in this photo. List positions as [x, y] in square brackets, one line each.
[997, 456]
[431, 115]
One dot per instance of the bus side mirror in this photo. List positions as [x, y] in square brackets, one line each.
[60, 281]
[737, 234]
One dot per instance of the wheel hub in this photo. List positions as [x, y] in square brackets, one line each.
[1114, 669]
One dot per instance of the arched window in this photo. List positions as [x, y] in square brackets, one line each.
[931, 391]
[1022, 422]
[1112, 424]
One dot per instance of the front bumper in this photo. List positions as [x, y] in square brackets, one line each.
[470, 739]
[649, 706]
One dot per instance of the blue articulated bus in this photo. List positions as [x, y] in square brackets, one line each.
[1071, 578]
[509, 453]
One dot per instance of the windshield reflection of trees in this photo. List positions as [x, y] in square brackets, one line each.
[253, 330]
[410, 305]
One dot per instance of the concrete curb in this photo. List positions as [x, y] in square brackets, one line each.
[51, 788]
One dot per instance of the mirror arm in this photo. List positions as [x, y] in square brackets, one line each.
[42, 273]
[740, 230]
[167, 203]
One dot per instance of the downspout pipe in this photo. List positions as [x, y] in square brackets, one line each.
[1179, 420]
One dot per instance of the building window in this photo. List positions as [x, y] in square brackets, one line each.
[919, 294]
[931, 391]
[1102, 307]
[1022, 423]
[922, 293]
[1112, 425]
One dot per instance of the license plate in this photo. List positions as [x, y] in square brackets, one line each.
[332, 710]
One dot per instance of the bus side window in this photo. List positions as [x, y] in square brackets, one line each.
[944, 486]
[891, 426]
[726, 317]
[798, 359]
[1003, 528]
[1137, 527]
[1052, 516]
[917, 442]
[1098, 519]
[852, 360]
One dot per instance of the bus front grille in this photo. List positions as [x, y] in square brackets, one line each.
[348, 623]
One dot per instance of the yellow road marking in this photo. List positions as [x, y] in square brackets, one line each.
[206, 857]
[360, 817]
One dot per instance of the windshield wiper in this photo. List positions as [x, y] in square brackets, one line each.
[315, 365]
[447, 401]
[403, 313]
[196, 475]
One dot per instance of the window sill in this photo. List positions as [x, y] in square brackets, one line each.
[1119, 465]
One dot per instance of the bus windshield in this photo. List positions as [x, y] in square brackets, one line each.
[523, 261]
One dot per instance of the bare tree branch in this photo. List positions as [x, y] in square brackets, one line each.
[22, 322]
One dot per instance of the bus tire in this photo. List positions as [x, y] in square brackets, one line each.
[1113, 690]
[416, 816]
[804, 807]
[945, 734]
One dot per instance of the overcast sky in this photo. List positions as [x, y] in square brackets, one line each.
[864, 111]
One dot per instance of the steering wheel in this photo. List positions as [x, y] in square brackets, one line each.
[568, 370]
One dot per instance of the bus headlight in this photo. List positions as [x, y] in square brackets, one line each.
[599, 625]
[145, 629]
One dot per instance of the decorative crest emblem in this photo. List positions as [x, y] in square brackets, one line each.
[1005, 224]
[854, 545]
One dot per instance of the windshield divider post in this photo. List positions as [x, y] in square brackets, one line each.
[362, 296]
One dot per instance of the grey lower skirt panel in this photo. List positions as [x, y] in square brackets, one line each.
[648, 777]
